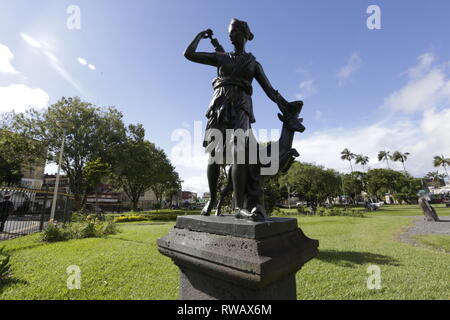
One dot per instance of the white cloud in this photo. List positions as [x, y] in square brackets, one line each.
[423, 140]
[428, 86]
[427, 89]
[19, 97]
[198, 184]
[425, 61]
[353, 64]
[307, 89]
[5, 60]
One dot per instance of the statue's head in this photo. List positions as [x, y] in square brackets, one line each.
[239, 32]
[290, 116]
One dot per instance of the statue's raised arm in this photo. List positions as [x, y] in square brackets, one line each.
[209, 58]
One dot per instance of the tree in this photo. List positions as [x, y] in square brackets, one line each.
[141, 166]
[384, 156]
[313, 183]
[382, 181]
[439, 161]
[16, 153]
[346, 154]
[354, 184]
[166, 178]
[402, 157]
[402, 186]
[93, 133]
[93, 172]
[435, 179]
[362, 160]
[273, 192]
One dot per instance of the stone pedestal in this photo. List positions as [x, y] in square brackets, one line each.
[224, 258]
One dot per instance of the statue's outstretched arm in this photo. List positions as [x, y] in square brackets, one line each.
[200, 57]
[273, 94]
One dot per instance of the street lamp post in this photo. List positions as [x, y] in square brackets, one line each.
[64, 126]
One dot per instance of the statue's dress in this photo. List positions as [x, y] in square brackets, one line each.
[231, 106]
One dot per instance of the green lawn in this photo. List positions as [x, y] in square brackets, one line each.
[438, 241]
[128, 265]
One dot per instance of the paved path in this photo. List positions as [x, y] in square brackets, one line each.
[422, 227]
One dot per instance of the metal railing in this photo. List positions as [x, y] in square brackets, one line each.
[28, 210]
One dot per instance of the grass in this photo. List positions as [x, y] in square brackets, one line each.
[440, 242]
[128, 265]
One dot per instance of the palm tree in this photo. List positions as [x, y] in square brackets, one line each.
[384, 156]
[349, 156]
[362, 160]
[442, 161]
[402, 157]
[435, 178]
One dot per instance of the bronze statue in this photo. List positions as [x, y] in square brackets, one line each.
[231, 108]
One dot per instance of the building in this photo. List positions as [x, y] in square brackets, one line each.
[50, 181]
[33, 176]
[188, 197]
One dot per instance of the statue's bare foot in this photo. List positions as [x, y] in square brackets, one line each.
[244, 214]
[206, 211]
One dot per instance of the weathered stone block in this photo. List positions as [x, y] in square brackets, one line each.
[228, 258]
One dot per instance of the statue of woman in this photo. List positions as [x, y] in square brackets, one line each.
[231, 106]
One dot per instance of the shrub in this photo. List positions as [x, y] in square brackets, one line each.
[55, 232]
[109, 227]
[130, 218]
[5, 267]
[301, 210]
[162, 215]
[87, 228]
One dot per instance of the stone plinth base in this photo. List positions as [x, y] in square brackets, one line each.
[235, 259]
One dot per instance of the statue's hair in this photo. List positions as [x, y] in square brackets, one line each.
[243, 26]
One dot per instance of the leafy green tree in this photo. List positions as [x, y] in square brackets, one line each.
[407, 188]
[384, 156]
[346, 154]
[402, 157]
[354, 184]
[273, 192]
[93, 172]
[18, 152]
[313, 183]
[439, 161]
[166, 179]
[402, 186]
[141, 166]
[92, 133]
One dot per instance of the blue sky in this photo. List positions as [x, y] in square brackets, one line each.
[367, 90]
